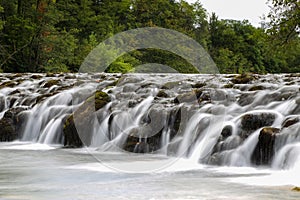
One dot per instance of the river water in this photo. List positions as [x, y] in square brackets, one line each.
[37, 171]
[193, 137]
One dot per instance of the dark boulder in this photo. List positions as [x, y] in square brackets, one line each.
[264, 150]
[10, 124]
[84, 117]
[254, 121]
[290, 121]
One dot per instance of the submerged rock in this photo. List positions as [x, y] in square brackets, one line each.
[264, 150]
[84, 120]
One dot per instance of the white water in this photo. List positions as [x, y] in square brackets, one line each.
[194, 142]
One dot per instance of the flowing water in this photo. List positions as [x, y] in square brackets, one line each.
[155, 139]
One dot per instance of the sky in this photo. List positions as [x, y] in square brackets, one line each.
[251, 10]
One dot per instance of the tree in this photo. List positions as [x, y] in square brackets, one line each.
[285, 19]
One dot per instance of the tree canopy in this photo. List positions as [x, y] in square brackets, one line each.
[56, 35]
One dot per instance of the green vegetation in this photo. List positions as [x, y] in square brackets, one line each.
[56, 35]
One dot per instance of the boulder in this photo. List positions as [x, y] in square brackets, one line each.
[10, 124]
[84, 120]
[290, 121]
[254, 121]
[242, 79]
[264, 150]
[296, 189]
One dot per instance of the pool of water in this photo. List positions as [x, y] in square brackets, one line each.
[35, 171]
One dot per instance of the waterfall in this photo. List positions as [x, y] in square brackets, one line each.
[203, 118]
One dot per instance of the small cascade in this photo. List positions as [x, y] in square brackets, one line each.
[204, 118]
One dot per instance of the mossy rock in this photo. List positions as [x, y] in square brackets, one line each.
[242, 79]
[228, 86]
[162, 94]
[50, 83]
[8, 84]
[36, 76]
[290, 121]
[256, 120]
[170, 85]
[296, 189]
[189, 97]
[264, 150]
[84, 119]
[49, 74]
[256, 87]
[198, 85]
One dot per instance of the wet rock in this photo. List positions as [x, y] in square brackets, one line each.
[246, 99]
[296, 189]
[226, 131]
[256, 87]
[189, 97]
[10, 124]
[8, 84]
[254, 121]
[243, 79]
[141, 147]
[84, 121]
[264, 150]
[162, 94]
[7, 131]
[228, 86]
[171, 85]
[198, 85]
[290, 121]
[36, 76]
[50, 83]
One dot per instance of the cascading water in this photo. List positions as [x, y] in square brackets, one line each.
[204, 118]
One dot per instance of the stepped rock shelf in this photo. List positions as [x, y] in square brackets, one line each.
[235, 120]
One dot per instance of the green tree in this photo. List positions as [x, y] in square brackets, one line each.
[285, 19]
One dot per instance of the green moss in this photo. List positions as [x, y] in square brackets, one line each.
[243, 79]
[257, 87]
[50, 83]
[163, 94]
[8, 84]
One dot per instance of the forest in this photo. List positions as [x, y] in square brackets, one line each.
[56, 35]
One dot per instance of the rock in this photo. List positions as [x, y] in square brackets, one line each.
[50, 83]
[296, 189]
[228, 86]
[162, 94]
[198, 85]
[7, 131]
[290, 121]
[36, 76]
[246, 99]
[242, 79]
[264, 150]
[141, 147]
[10, 124]
[254, 121]
[189, 97]
[84, 119]
[8, 84]
[256, 87]
[171, 85]
[226, 131]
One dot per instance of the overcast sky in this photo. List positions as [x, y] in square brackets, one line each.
[251, 10]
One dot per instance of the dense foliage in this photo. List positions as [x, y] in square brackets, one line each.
[56, 35]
